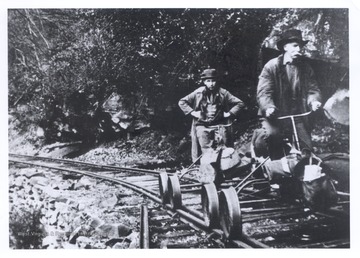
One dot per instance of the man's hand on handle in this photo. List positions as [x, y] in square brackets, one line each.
[226, 114]
[315, 105]
[269, 112]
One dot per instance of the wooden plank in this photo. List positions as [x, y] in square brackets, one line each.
[328, 244]
[169, 228]
[141, 178]
[148, 183]
[175, 234]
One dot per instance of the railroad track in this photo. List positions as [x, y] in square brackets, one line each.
[279, 225]
[166, 229]
[145, 182]
[265, 221]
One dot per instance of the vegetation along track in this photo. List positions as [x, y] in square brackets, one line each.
[264, 220]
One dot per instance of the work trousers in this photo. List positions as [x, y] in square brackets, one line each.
[276, 134]
[209, 137]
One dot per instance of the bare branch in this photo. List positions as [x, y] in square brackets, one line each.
[41, 35]
[23, 60]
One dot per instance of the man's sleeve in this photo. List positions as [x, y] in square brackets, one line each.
[234, 103]
[186, 103]
[265, 90]
[313, 91]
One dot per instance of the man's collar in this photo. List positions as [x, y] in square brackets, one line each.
[206, 90]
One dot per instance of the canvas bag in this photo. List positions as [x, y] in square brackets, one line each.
[318, 191]
[215, 164]
[337, 166]
[208, 168]
[229, 159]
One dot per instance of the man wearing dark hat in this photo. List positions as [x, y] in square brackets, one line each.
[287, 87]
[209, 105]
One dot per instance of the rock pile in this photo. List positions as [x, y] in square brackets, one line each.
[62, 211]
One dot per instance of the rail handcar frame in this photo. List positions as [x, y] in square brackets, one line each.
[220, 205]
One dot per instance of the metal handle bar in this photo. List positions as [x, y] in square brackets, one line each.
[292, 116]
[293, 125]
[252, 172]
[221, 125]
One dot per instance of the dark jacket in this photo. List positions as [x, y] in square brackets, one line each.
[274, 88]
[192, 102]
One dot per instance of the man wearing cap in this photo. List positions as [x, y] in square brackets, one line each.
[208, 105]
[287, 87]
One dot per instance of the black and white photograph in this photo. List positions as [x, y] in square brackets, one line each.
[207, 127]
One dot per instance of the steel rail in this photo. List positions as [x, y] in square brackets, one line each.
[116, 169]
[257, 201]
[134, 187]
[144, 227]
[140, 170]
[253, 242]
[338, 243]
[272, 215]
[152, 195]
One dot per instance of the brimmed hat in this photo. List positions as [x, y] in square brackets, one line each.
[290, 36]
[208, 74]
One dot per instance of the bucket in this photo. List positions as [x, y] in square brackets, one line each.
[312, 171]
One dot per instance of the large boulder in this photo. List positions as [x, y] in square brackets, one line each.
[337, 107]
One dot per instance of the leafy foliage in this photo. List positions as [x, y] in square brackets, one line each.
[64, 63]
[26, 232]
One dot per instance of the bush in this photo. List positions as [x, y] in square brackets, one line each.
[25, 228]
